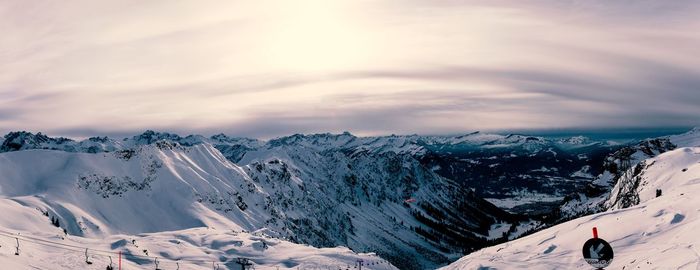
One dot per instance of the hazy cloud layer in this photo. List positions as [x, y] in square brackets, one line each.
[268, 68]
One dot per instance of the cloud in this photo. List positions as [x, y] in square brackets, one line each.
[260, 68]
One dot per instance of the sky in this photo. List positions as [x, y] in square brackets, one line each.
[270, 68]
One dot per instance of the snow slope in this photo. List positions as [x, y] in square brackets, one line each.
[657, 233]
[200, 248]
[153, 188]
[131, 191]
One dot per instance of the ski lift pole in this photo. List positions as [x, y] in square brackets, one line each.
[87, 259]
[111, 264]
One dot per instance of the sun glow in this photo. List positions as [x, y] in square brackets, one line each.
[316, 36]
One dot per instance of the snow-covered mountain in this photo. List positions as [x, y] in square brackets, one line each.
[414, 200]
[377, 198]
[651, 232]
[523, 174]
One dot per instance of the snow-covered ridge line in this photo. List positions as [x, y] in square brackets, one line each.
[414, 144]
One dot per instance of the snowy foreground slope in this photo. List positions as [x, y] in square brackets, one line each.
[657, 233]
[201, 248]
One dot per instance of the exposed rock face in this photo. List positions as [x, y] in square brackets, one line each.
[615, 187]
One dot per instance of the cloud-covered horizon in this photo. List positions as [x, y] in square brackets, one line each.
[270, 68]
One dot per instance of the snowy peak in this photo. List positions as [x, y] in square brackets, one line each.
[576, 140]
[22, 140]
[317, 141]
[222, 139]
[150, 136]
[347, 142]
[143, 183]
[688, 139]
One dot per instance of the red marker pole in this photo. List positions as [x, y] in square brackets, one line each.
[595, 232]
[120, 260]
